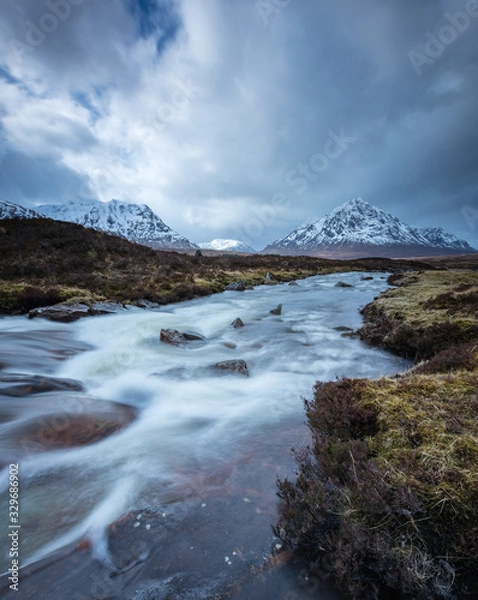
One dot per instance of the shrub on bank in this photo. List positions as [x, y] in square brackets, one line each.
[388, 490]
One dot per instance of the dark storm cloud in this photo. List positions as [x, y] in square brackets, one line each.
[28, 180]
[224, 116]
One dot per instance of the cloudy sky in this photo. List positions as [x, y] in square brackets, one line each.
[243, 118]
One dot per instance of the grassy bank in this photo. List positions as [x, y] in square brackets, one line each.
[388, 492]
[44, 262]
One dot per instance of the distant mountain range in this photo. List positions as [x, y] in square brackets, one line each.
[358, 229]
[135, 222]
[227, 246]
[14, 211]
[355, 229]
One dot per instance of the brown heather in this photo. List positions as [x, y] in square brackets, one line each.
[388, 491]
[44, 262]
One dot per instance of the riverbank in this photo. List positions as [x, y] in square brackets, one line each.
[45, 262]
[387, 494]
[204, 449]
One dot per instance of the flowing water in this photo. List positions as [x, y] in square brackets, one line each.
[199, 436]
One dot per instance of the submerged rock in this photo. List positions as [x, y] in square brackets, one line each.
[238, 367]
[65, 313]
[236, 286]
[343, 284]
[19, 385]
[366, 278]
[343, 329]
[147, 304]
[237, 323]
[178, 338]
[105, 308]
[211, 551]
[58, 420]
[294, 284]
[277, 310]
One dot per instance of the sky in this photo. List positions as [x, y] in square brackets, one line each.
[243, 118]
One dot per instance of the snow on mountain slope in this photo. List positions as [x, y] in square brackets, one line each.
[438, 237]
[361, 228]
[12, 211]
[136, 222]
[227, 246]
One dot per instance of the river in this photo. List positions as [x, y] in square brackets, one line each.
[201, 441]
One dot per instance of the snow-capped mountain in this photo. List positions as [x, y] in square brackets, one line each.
[135, 222]
[357, 228]
[438, 237]
[227, 246]
[15, 211]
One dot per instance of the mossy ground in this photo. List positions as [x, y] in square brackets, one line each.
[428, 312]
[388, 491]
[44, 262]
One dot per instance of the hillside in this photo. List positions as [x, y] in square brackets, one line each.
[45, 262]
[135, 222]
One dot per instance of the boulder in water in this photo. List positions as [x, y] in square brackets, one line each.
[65, 313]
[237, 323]
[238, 367]
[19, 385]
[343, 284]
[277, 310]
[236, 286]
[176, 338]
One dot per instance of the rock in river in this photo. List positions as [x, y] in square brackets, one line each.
[236, 286]
[238, 367]
[343, 284]
[61, 312]
[277, 310]
[18, 385]
[66, 313]
[57, 420]
[178, 338]
[237, 323]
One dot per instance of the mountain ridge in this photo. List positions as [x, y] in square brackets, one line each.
[356, 228]
[135, 222]
[8, 210]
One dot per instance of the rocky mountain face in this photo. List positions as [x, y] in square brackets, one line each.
[359, 229]
[15, 211]
[135, 222]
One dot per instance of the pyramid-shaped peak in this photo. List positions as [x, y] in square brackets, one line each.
[355, 204]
